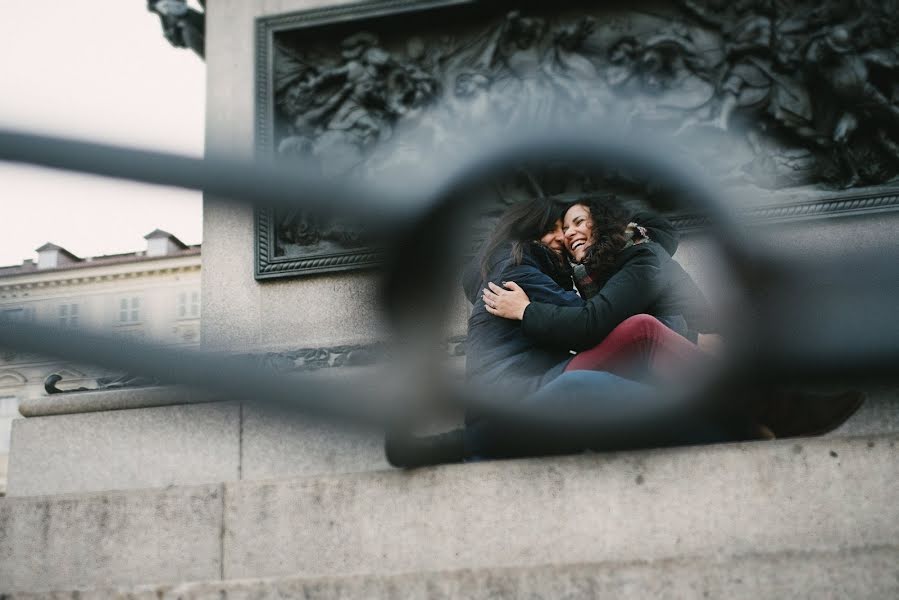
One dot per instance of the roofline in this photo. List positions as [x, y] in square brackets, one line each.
[84, 264]
[165, 234]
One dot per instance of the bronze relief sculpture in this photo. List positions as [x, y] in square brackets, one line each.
[798, 93]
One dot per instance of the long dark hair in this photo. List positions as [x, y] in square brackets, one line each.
[610, 220]
[522, 224]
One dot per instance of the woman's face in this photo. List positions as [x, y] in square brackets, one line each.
[578, 230]
[555, 239]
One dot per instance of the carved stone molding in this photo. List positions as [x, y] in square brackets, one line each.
[82, 279]
[848, 205]
[327, 357]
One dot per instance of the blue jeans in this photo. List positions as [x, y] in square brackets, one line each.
[622, 413]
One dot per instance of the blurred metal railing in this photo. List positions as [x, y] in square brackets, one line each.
[780, 326]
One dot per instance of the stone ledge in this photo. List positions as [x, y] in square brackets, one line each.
[716, 503]
[152, 396]
[115, 538]
[849, 573]
[125, 449]
[720, 500]
[112, 399]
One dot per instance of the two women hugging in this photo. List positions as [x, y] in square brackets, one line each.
[581, 305]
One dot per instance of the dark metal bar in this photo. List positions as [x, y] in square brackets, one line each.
[423, 213]
[259, 183]
[231, 377]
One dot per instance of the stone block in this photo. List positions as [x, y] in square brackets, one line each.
[879, 414]
[125, 449]
[116, 538]
[824, 508]
[851, 573]
[4, 465]
[279, 445]
[727, 500]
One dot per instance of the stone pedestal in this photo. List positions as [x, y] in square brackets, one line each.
[157, 437]
[85, 448]
[787, 508]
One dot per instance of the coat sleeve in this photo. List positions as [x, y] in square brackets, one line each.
[539, 286]
[628, 292]
[661, 230]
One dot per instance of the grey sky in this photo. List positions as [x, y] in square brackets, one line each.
[98, 70]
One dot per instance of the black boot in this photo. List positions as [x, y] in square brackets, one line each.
[791, 414]
[409, 452]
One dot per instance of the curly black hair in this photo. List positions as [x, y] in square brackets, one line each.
[610, 220]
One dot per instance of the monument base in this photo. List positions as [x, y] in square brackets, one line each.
[689, 517]
[143, 444]
[199, 442]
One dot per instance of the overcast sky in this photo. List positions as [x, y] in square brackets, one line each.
[98, 70]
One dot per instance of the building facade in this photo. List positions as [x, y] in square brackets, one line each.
[153, 294]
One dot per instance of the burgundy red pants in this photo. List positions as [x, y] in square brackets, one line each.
[641, 348]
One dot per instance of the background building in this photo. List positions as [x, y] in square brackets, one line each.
[153, 293]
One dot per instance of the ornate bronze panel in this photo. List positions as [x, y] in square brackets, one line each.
[801, 97]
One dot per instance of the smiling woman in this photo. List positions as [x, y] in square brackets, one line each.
[596, 231]
[578, 230]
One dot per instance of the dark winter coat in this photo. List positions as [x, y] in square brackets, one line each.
[496, 349]
[645, 280]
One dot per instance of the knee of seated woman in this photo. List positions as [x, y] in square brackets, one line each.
[641, 325]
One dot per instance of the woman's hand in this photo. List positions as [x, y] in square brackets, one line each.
[507, 303]
[711, 343]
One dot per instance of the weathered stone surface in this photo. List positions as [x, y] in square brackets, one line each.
[116, 538]
[277, 445]
[879, 414]
[851, 573]
[721, 500]
[111, 399]
[122, 449]
[4, 467]
[214, 442]
[712, 503]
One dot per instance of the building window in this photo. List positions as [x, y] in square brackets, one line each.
[17, 314]
[188, 305]
[129, 310]
[68, 315]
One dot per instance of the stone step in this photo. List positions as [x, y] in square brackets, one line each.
[714, 503]
[141, 438]
[848, 573]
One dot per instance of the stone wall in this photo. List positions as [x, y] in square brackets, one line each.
[241, 313]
